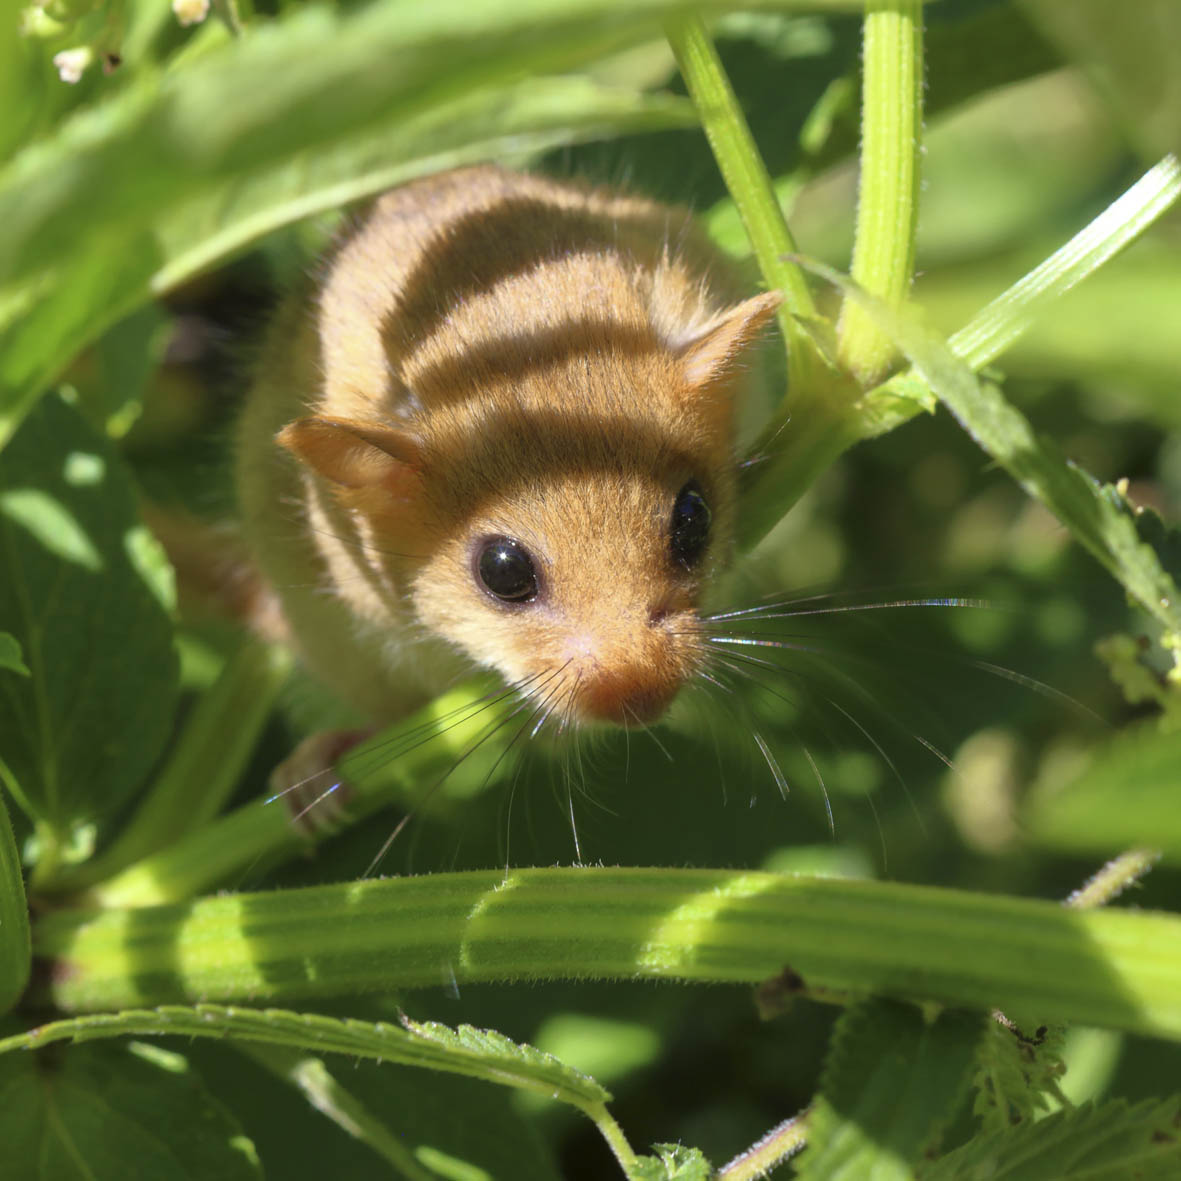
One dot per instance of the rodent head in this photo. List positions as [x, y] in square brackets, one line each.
[563, 541]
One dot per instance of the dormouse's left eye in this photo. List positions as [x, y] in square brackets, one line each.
[689, 529]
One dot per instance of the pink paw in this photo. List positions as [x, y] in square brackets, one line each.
[308, 784]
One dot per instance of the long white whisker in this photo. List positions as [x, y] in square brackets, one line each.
[776, 770]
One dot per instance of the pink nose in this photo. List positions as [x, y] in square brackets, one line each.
[626, 698]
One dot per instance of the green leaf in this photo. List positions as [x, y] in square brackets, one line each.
[204, 765]
[174, 171]
[892, 1080]
[194, 231]
[10, 655]
[15, 949]
[478, 1053]
[1112, 1142]
[81, 589]
[106, 1112]
[1129, 794]
[672, 1162]
[1019, 1070]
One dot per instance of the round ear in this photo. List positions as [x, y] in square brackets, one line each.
[356, 455]
[709, 357]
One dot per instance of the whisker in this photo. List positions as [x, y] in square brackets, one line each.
[1036, 686]
[832, 828]
[885, 758]
[776, 770]
[493, 728]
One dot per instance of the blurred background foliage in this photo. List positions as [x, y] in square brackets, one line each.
[928, 755]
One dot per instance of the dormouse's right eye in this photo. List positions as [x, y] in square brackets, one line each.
[505, 569]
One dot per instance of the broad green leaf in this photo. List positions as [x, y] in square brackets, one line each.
[1129, 794]
[15, 951]
[478, 1053]
[204, 765]
[81, 210]
[10, 655]
[891, 1081]
[1095, 514]
[192, 231]
[1111, 1142]
[107, 1112]
[1018, 1069]
[81, 588]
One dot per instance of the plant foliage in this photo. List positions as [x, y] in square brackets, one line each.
[164, 172]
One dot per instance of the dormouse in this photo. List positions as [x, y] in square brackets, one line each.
[497, 429]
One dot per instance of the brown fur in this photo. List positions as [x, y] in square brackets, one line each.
[490, 353]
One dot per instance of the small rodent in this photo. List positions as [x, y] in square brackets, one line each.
[498, 428]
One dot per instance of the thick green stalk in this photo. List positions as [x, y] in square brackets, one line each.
[746, 177]
[887, 206]
[1118, 969]
[812, 426]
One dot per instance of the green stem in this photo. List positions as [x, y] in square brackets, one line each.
[610, 1130]
[404, 763]
[887, 207]
[1113, 879]
[318, 1085]
[782, 1141]
[1109, 968]
[1006, 318]
[790, 455]
[746, 177]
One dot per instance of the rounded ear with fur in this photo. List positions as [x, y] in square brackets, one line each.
[355, 455]
[709, 357]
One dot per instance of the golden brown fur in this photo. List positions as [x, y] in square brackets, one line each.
[488, 353]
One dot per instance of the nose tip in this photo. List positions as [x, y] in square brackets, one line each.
[626, 703]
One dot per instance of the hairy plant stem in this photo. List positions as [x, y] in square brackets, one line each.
[887, 204]
[782, 1141]
[746, 177]
[1118, 875]
[1108, 968]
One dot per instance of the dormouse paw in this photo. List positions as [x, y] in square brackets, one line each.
[315, 795]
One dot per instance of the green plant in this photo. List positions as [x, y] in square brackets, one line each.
[961, 1004]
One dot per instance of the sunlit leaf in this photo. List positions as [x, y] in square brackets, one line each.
[1111, 1142]
[892, 1080]
[80, 733]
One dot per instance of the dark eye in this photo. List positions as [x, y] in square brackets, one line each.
[506, 570]
[689, 530]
